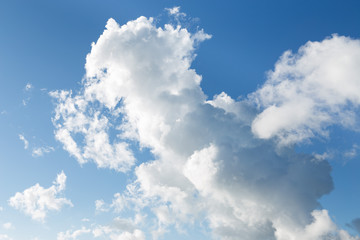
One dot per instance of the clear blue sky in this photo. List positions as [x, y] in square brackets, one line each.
[43, 48]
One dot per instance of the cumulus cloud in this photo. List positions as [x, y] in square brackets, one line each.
[209, 166]
[310, 90]
[26, 142]
[36, 201]
[75, 119]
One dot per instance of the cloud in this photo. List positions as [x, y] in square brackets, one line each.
[28, 87]
[119, 229]
[208, 165]
[40, 151]
[5, 237]
[175, 12]
[310, 90]
[75, 119]
[353, 152]
[101, 206]
[8, 225]
[26, 143]
[36, 201]
[68, 235]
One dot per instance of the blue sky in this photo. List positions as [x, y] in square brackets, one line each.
[206, 129]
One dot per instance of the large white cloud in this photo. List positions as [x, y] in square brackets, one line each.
[209, 167]
[36, 201]
[310, 90]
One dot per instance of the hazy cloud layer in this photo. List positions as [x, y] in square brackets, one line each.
[209, 166]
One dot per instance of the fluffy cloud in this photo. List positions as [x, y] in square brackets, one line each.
[36, 201]
[75, 119]
[209, 167]
[310, 90]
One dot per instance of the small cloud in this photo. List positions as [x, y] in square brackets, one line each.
[5, 237]
[75, 234]
[175, 11]
[8, 225]
[324, 156]
[26, 143]
[353, 152]
[1, 209]
[101, 206]
[85, 220]
[28, 87]
[36, 201]
[40, 151]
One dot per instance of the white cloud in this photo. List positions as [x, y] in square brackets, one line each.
[26, 143]
[101, 206]
[36, 201]
[1, 209]
[119, 229]
[8, 225]
[353, 152]
[73, 120]
[175, 11]
[209, 167]
[5, 237]
[119, 202]
[310, 90]
[40, 151]
[73, 235]
[322, 228]
[28, 87]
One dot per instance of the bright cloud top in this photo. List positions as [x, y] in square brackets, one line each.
[209, 167]
[310, 90]
[36, 201]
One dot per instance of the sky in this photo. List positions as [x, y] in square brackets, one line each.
[170, 119]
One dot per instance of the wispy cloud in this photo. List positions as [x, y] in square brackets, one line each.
[26, 143]
[40, 151]
[8, 225]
